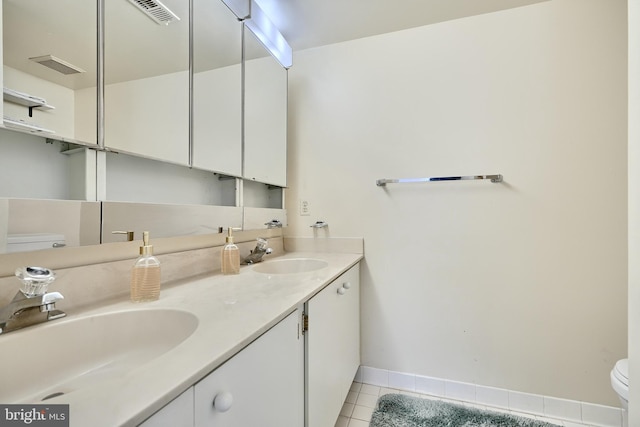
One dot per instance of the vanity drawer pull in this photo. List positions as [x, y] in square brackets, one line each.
[223, 401]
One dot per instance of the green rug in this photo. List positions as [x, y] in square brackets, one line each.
[398, 410]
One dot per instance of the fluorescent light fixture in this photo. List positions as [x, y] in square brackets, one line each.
[269, 36]
[57, 64]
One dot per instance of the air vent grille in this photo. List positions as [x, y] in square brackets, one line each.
[57, 64]
[156, 11]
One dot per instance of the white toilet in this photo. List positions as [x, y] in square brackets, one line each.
[620, 381]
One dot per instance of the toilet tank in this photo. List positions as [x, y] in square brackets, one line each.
[34, 242]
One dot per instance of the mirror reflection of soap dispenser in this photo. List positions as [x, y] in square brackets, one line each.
[145, 275]
[230, 255]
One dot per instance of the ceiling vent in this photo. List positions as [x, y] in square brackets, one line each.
[57, 64]
[156, 11]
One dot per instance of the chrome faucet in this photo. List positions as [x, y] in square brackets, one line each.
[274, 223]
[31, 304]
[260, 250]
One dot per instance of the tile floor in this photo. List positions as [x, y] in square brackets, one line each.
[358, 407]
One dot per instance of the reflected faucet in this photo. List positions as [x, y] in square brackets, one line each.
[31, 304]
[260, 250]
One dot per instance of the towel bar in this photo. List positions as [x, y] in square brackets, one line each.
[384, 181]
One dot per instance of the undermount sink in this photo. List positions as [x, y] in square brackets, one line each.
[64, 356]
[290, 266]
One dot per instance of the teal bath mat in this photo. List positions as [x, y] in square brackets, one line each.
[398, 410]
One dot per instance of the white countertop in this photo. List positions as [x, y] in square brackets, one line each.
[223, 330]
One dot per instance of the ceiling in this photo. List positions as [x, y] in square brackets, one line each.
[136, 47]
[312, 23]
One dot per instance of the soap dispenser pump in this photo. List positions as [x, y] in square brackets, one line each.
[145, 275]
[230, 255]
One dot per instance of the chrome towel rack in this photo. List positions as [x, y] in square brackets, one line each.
[384, 181]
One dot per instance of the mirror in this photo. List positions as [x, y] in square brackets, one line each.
[265, 114]
[49, 68]
[31, 168]
[136, 179]
[165, 220]
[217, 88]
[27, 225]
[155, 117]
[147, 78]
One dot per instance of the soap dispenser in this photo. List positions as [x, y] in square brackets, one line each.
[230, 256]
[145, 275]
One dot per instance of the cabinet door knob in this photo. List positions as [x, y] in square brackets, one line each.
[223, 401]
[341, 290]
[347, 285]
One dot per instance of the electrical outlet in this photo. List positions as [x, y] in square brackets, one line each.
[305, 210]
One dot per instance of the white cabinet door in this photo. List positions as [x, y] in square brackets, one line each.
[217, 88]
[217, 120]
[265, 116]
[333, 347]
[178, 413]
[263, 385]
[146, 76]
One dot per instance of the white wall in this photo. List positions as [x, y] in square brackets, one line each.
[31, 168]
[519, 285]
[634, 210]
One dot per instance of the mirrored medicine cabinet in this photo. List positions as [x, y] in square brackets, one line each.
[174, 160]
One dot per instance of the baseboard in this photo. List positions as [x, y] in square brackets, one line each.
[552, 407]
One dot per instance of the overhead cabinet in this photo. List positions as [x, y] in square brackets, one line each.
[146, 77]
[155, 103]
[146, 96]
[217, 88]
[265, 114]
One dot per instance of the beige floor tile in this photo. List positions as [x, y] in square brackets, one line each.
[362, 413]
[370, 389]
[358, 423]
[342, 422]
[385, 390]
[347, 409]
[368, 400]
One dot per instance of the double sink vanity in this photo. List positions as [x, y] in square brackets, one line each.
[276, 345]
[177, 128]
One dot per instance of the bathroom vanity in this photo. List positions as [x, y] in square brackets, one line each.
[236, 353]
[264, 383]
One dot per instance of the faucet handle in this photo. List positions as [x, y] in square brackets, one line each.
[51, 297]
[261, 243]
[35, 280]
[130, 234]
[274, 223]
